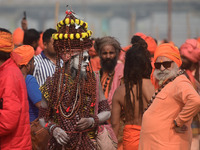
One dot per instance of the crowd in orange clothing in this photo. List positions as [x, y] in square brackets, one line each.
[152, 89]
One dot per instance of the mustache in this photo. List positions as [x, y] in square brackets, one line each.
[162, 71]
[108, 59]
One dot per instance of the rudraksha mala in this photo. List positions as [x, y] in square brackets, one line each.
[96, 121]
[70, 99]
[103, 106]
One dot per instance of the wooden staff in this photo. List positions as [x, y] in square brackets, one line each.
[56, 13]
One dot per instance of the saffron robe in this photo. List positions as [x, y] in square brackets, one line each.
[178, 101]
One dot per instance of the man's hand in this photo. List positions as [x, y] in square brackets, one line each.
[60, 136]
[84, 123]
[24, 24]
[180, 129]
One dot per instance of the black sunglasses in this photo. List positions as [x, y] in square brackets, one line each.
[165, 64]
[86, 58]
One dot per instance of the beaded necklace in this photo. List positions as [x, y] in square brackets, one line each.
[106, 82]
[73, 108]
[160, 88]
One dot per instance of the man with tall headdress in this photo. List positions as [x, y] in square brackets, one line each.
[14, 109]
[166, 124]
[72, 107]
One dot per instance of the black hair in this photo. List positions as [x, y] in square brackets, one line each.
[137, 66]
[5, 30]
[137, 39]
[48, 34]
[30, 36]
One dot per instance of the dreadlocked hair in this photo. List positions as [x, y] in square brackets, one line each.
[107, 40]
[137, 66]
[137, 39]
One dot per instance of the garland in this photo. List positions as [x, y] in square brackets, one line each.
[160, 88]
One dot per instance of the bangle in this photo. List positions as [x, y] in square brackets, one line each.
[96, 121]
[50, 128]
[92, 125]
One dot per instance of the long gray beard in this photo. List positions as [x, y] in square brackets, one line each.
[162, 76]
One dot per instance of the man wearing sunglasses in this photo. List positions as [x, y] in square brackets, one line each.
[166, 124]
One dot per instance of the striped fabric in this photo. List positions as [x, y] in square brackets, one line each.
[44, 68]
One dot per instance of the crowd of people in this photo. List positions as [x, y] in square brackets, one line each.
[64, 89]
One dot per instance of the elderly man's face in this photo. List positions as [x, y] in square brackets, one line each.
[165, 68]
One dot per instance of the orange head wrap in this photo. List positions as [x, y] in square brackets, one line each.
[6, 42]
[191, 50]
[18, 36]
[168, 50]
[22, 54]
[150, 42]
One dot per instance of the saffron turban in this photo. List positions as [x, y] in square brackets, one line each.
[6, 42]
[191, 50]
[168, 50]
[18, 36]
[150, 42]
[22, 54]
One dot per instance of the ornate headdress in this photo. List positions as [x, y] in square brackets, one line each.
[72, 36]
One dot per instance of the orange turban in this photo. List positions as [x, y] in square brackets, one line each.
[168, 50]
[22, 54]
[191, 50]
[18, 36]
[6, 42]
[150, 42]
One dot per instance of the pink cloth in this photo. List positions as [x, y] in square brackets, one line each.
[191, 50]
[119, 73]
[38, 50]
[178, 101]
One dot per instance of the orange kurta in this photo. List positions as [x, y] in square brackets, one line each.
[131, 137]
[178, 101]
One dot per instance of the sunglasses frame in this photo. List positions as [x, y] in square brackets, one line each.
[165, 64]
